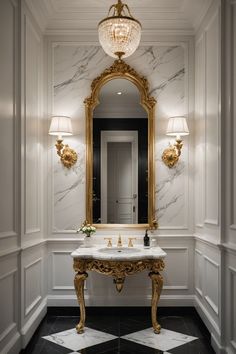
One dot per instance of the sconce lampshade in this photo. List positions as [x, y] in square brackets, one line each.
[60, 125]
[177, 126]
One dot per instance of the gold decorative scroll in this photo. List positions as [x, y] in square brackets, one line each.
[118, 269]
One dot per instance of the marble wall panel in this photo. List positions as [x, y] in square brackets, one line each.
[74, 68]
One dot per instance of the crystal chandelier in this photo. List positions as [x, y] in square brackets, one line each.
[119, 33]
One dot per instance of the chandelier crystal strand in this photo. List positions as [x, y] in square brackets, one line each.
[120, 33]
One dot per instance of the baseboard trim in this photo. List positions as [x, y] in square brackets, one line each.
[32, 324]
[211, 325]
[216, 346]
[166, 300]
[177, 300]
[13, 346]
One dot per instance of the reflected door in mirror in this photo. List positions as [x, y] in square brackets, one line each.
[122, 183]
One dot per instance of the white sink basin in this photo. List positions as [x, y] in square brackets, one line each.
[118, 253]
[119, 250]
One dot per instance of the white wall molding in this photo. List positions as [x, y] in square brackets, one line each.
[35, 243]
[9, 329]
[232, 300]
[207, 241]
[57, 269]
[207, 317]
[31, 114]
[9, 287]
[38, 296]
[198, 272]
[214, 303]
[212, 118]
[34, 303]
[25, 247]
[175, 287]
[229, 247]
[7, 234]
[8, 274]
[33, 322]
[14, 344]
[10, 252]
[9, 113]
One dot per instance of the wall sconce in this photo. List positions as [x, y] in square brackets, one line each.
[177, 126]
[61, 125]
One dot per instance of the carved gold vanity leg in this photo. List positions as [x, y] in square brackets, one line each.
[79, 288]
[157, 284]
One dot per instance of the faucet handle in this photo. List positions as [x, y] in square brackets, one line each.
[119, 242]
[109, 244]
[130, 244]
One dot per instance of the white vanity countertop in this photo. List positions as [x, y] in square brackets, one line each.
[118, 253]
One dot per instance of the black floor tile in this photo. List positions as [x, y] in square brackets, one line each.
[45, 347]
[119, 322]
[199, 346]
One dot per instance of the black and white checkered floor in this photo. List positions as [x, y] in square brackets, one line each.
[121, 331]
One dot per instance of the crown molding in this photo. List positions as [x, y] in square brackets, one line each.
[68, 17]
[145, 33]
[198, 20]
[39, 13]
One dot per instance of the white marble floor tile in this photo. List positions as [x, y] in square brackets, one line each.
[166, 340]
[72, 340]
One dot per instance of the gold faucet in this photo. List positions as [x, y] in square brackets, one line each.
[109, 243]
[131, 241]
[119, 242]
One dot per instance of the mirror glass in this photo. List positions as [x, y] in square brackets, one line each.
[120, 155]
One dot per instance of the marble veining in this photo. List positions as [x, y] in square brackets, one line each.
[74, 68]
[166, 340]
[176, 76]
[71, 340]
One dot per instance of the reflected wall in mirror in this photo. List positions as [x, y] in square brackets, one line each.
[120, 149]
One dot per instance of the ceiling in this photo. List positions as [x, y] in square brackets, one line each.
[78, 16]
[124, 105]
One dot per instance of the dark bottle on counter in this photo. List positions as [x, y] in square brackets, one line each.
[146, 240]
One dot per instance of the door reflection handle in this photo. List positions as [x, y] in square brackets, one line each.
[117, 201]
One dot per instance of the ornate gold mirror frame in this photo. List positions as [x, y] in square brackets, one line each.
[120, 69]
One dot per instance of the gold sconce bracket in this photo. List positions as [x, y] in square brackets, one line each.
[171, 154]
[68, 156]
[155, 225]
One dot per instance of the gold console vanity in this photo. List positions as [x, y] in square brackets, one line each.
[119, 262]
